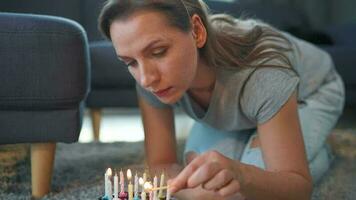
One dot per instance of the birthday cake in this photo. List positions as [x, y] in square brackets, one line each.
[139, 189]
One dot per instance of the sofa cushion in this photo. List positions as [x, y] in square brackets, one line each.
[281, 16]
[343, 34]
[90, 13]
[64, 8]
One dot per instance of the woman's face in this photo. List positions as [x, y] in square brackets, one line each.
[162, 59]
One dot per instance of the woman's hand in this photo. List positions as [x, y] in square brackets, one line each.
[211, 172]
[200, 193]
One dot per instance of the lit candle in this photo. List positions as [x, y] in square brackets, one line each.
[143, 192]
[160, 194]
[130, 186]
[122, 184]
[144, 177]
[155, 182]
[148, 186]
[136, 187]
[107, 181]
[144, 181]
[116, 187]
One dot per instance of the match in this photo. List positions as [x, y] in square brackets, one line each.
[157, 188]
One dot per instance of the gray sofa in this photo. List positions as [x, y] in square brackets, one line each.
[44, 79]
[112, 85]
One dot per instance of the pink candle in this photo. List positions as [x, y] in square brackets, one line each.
[151, 195]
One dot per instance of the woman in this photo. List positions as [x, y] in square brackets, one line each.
[264, 101]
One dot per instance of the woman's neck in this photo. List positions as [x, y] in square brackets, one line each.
[203, 85]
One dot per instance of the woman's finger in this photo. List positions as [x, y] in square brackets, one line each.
[219, 180]
[180, 181]
[230, 189]
[190, 156]
[204, 173]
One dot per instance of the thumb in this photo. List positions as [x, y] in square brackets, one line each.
[190, 156]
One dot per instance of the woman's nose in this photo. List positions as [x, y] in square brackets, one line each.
[149, 75]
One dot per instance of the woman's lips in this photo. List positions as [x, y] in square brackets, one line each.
[162, 93]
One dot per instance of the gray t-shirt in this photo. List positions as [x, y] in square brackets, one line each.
[243, 98]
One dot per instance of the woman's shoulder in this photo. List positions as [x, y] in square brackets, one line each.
[255, 74]
[266, 90]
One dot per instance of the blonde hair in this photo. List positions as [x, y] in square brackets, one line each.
[231, 42]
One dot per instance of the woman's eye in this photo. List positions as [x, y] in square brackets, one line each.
[131, 64]
[159, 52]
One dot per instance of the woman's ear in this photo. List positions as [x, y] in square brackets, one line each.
[198, 31]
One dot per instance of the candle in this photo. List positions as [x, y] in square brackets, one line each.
[168, 194]
[151, 195]
[155, 182]
[116, 187]
[130, 186]
[136, 186]
[143, 192]
[144, 177]
[110, 190]
[122, 184]
[107, 181]
[160, 194]
[148, 186]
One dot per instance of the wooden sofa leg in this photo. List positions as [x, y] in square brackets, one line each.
[42, 159]
[96, 119]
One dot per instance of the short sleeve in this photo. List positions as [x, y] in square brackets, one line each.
[266, 91]
[150, 98]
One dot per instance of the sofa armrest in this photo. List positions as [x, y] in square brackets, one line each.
[44, 78]
[42, 61]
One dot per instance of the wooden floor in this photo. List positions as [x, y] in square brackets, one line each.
[125, 125]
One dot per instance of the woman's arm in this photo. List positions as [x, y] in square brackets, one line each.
[160, 143]
[286, 177]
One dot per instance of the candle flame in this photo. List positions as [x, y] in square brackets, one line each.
[109, 171]
[129, 174]
[148, 186]
[141, 181]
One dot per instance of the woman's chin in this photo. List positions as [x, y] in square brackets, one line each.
[168, 101]
[171, 99]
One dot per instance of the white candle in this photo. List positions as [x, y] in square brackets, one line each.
[116, 187]
[155, 182]
[107, 176]
[122, 183]
[168, 194]
[130, 186]
[110, 190]
[143, 193]
[160, 194]
[136, 186]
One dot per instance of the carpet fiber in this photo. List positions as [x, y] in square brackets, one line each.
[79, 169]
